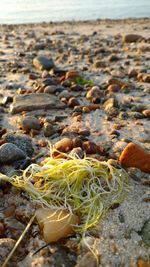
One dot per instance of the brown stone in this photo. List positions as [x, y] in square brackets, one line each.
[146, 113]
[146, 78]
[132, 38]
[135, 156]
[72, 102]
[2, 229]
[90, 147]
[64, 145]
[72, 74]
[99, 64]
[94, 92]
[117, 81]
[113, 88]
[29, 122]
[143, 263]
[77, 142]
[132, 73]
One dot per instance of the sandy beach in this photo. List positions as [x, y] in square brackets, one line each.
[88, 82]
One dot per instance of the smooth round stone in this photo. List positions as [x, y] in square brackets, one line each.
[113, 88]
[21, 141]
[30, 122]
[73, 102]
[10, 153]
[48, 129]
[94, 92]
[132, 73]
[43, 63]
[146, 113]
[50, 89]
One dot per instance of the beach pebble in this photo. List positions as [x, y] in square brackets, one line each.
[90, 147]
[113, 58]
[50, 89]
[132, 38]
[33, 76]
[77, 87]
[132, 73]
[34, 101]
[112, 88]
[77, 142]
[43, 63]
[110, 103]
[56, 224]
[78, 151]
[145, 233]
[6, 245]
[48, 129]
[99, 64]
[10, 152]
[119, 146]
[6, 99]
[138, 107]
[146, 113]
[135, 156]
[21, 141]
[72, 102]
[72, 74]
[48, 81]
[94, 92]
[65, 94]
[64, 145]
[28, 123]
[146, 78]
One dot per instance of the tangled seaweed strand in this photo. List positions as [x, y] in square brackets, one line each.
[86, 187]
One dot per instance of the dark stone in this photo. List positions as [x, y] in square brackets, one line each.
[22, 164]
[10, 153]
[145, 233]
[22, 142]
[43, 63]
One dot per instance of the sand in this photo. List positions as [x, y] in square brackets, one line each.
[97, 51]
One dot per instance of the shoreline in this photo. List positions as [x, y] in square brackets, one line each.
[92, 21]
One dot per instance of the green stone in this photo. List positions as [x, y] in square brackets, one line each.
[145, 233]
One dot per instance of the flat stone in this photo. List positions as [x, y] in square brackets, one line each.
[132, 38]
[34, 102]
[43, 63]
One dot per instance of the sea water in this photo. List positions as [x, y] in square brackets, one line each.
[25, 11]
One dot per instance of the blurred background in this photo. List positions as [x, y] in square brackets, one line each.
[24, 11]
